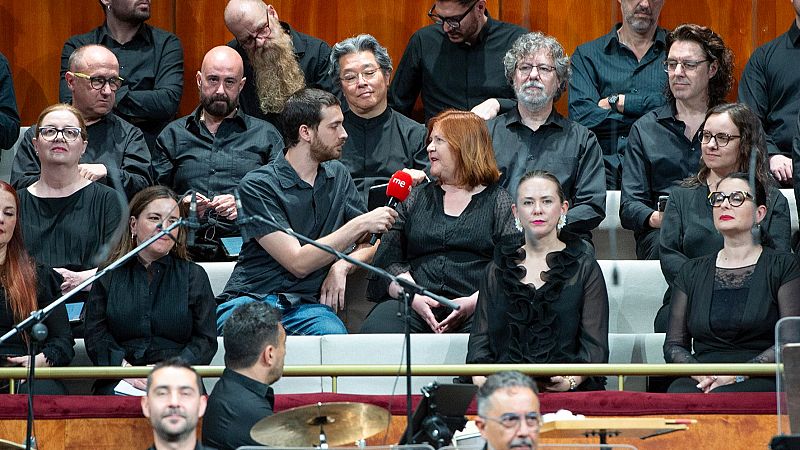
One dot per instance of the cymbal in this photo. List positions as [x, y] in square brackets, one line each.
[8, 445]
[342, 422]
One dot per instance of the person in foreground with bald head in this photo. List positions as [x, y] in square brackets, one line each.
[117, 152]
[211, 149]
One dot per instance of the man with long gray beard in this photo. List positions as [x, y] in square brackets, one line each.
[278, 60]
[534, 136]
[212, 149]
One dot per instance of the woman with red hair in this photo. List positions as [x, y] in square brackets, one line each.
[27, 286]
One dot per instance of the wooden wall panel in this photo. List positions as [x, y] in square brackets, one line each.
[32, 41]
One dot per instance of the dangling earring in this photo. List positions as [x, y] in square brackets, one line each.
[517, 224]
[562, 221]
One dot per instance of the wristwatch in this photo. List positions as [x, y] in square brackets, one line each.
[612, 101]
[739, 378]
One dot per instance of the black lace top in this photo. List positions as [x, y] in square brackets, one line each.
[563, 321]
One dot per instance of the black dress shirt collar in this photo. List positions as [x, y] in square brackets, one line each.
[612, 39]
[143, 33]
[298, 42]
[193, 121]
[288, 177]
[361, 122]
[794, 36]
[553, 120]
[257, 387]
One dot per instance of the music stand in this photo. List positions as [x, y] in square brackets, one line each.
[440, 413]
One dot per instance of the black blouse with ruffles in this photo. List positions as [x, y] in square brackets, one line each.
[564, 321]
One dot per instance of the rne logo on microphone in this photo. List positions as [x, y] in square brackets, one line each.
[398, 181]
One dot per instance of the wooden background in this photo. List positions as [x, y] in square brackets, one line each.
[33, 33]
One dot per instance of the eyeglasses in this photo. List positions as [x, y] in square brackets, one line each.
[69, 134]
[351, 78]
[114, 83]
[735, 198]
[671, 65]
[721, 138]
[263, 32]
[454, 22]
[512, 421]
[543, 69]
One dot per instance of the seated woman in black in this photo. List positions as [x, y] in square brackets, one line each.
[544, 302]
[730, 132]
[725, 305]
[27, 286]
[446, 231]
[155, 306]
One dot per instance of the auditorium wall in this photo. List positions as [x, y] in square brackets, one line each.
[32, 33]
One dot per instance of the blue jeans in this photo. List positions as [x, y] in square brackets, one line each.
[307, 319]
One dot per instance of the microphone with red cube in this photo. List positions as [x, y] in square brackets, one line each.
[397, 190]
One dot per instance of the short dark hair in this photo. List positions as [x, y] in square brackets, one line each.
[304, 107]
[248, 331]
[177, 362]
[715, 49]
[502, 380]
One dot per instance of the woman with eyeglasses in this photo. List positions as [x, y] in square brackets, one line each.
[68, 221]
[158, 304]
[725, 305]
[730, 136]
[664, 144]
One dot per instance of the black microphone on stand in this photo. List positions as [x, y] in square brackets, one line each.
[397, 190]
[192, 222]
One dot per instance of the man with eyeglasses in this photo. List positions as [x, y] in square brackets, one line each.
[618, 78]
[212, 149]
[150, 60]
[380, 140]
[278, 60]
[769, 86]
[456, 62]
[9, 116]
[664, 144]
[508, 412]
[116, 152]
[534, 136]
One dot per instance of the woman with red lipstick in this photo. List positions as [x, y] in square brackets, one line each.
[27, 286]
[157, 305]
[730, 134]
[724, 306]
[545, 302]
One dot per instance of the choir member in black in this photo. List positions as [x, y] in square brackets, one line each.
[725, 305]
[9, 116]
[155, 306]
[69, 221]
[728, 136]
[446, 231]
[544, 302]
[27, 286]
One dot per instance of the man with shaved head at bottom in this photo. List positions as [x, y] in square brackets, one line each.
[211, 149]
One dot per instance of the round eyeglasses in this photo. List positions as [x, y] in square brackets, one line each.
[735, 198]
[114, 83]
[721, 138]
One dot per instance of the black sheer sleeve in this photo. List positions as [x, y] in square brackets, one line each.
[678, 343]
[478, 350]
[788, 306]
[594, 318]
[58, 347]
[203, 344]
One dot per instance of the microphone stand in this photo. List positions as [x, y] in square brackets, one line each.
[35, 322]
[409, 290]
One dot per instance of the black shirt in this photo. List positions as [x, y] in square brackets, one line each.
[113, 142]
[378, 147]
[312, 54]
[9, 116]
[450, 75]
[188, 156]
[58, 345]
[604, 67]
[198, 446]
[658, 157]
[276, 190]
[147, 315]
[235, 405]
[152, 66]
[562, 147]
[769, 85]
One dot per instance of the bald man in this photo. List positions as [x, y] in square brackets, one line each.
[117, 150]
[278, 60]
[211, 149]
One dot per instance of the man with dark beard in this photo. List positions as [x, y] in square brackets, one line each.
[150, 62]
[618, 78]
[212, 149]
[278, 60]
[534, 136]
[307, 190]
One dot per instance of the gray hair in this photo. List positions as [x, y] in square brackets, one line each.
[502, 380]
[360, 43]
[530, 43]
